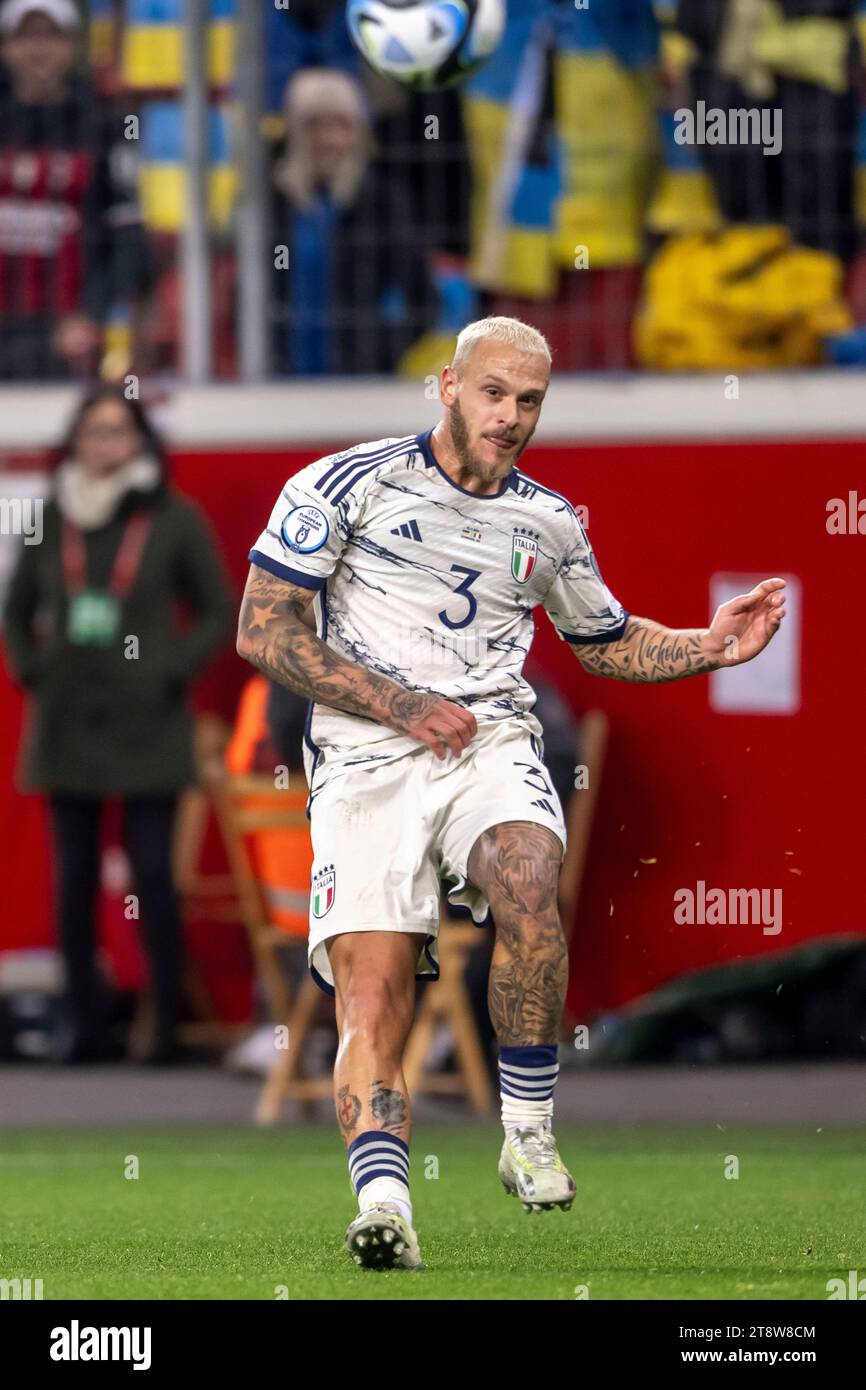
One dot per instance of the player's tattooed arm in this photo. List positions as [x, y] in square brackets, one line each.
[274, 636]
[649, 652]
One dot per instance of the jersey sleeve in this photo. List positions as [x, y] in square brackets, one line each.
[311, 522]
[578, 602]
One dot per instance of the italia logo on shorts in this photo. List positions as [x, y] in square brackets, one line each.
[323, 890]
[305, 529]
[524, 553]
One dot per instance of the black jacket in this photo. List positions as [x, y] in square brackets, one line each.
[103, 724]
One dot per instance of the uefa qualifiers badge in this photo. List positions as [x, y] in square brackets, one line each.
[524, 553]
[305, 529]
[323, 889]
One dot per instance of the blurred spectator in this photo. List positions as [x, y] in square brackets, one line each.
[72, 249]
[90, 634]
[419, 139]
[352, 287]
[793, 58]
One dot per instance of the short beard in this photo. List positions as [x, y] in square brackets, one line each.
[470, 461]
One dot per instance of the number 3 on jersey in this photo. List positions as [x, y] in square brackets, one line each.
[463, 588]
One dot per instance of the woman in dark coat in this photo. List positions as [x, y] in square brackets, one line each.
[91, 633]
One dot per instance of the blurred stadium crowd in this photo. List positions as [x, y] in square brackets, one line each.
[555, 185]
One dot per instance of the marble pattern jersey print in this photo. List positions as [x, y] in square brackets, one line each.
[429, 584]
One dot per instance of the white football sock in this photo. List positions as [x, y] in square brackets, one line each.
[380, 1190]
[527, 1077]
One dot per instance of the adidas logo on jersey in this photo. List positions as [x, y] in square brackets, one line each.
[409, 529]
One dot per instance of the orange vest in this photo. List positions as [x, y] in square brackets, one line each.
[283, 857]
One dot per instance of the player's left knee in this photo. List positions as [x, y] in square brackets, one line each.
[516, 864]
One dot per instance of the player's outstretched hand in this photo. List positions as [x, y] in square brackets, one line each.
[743, 626]
[431, 720]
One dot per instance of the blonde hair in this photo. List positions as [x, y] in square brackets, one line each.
[322, 92]
[499, 330]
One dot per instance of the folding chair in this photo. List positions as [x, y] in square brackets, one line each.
[248, 806]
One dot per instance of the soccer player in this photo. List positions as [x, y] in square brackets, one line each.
[422, 560]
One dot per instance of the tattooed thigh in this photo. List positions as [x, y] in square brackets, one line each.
[516, 865]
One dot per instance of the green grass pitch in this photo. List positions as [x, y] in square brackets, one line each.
[219, 1214]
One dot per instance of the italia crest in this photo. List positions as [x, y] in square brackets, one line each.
[323, 889]
[524, 554]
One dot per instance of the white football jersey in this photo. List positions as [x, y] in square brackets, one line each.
[430, 584]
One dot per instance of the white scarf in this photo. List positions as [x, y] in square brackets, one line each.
[90, 501]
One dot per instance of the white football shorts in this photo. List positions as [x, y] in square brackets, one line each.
[384, 833]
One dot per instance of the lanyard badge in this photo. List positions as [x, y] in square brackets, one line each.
[93, 617]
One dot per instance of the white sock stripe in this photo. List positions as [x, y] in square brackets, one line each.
[380, 1171]
[379, 1151]
[390, 1141]
[538, 1066]
[528, 1080]
[389, 1164]
[525, 1095]
[516, 1093]
[377, 1146]
[527, 1107]
[520, 1089]
[546, 1070]
[380, 1156]
[520, 1084]
[523, 1084]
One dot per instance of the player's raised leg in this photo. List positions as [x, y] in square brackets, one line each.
[516, 864]
[374, 981]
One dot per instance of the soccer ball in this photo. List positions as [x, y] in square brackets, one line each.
[426, 44]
